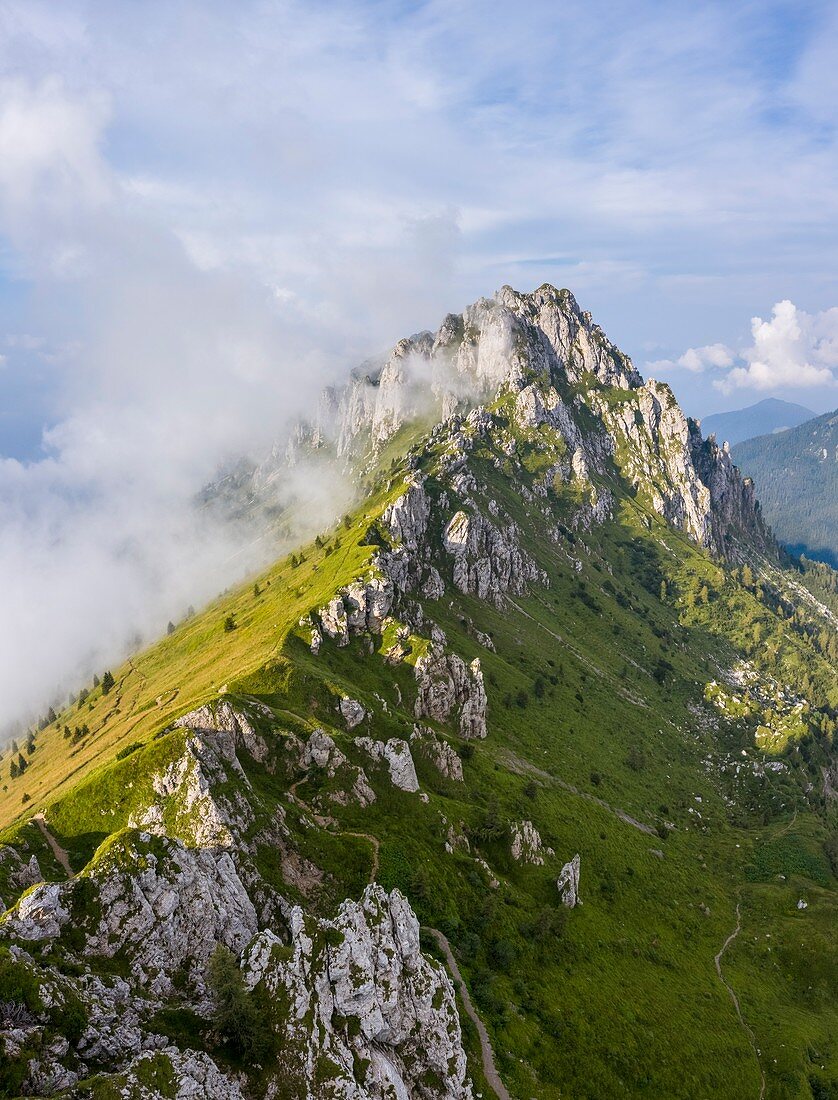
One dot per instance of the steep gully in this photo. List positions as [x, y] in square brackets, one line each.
[59, 852]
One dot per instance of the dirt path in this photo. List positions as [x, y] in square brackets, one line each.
[59, 853]
[488, 1058]
[328, 824]
[523, 767]
[376, 850]
[751, 1037]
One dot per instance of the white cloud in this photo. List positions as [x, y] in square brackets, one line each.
[792, 349]
[697, 360]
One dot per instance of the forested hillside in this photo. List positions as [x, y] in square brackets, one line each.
[796, 476]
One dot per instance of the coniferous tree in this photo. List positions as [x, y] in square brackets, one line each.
[107, 682]
[236, 1016]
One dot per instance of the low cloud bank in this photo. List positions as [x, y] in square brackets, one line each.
[168, 367]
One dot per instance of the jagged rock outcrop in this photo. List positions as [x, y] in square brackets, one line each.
[358, 991]
[449, 688]
[352, 712]
[193, 797]
[568, 883]
[321, 751]
[526, 845]
[17, 873]
[223, 717]
[150, 899]
[396, 754]
[691, 482]
[185, 1075]
[439, 752]
[360, 608]
[488, 560]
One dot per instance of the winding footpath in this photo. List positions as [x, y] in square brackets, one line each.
[745, 1027]
[489, 1069]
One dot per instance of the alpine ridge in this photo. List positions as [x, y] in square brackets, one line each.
[548, 698]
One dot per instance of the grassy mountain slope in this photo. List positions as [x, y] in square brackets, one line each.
[796, 474]
[662, 714]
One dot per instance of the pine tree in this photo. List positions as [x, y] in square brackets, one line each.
[107, 682]
[237, 1016]
[170, 627]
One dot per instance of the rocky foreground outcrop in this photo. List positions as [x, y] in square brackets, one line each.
[358, 993]
[354, 1010]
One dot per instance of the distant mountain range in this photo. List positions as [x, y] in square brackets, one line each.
[764, 418]
[796, 475]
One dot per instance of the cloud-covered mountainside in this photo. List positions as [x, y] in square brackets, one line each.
[797, 475]
[519, 780]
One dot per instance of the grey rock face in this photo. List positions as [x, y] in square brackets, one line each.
[188, 803]
[568, 883]
[448, 687]
[360, 608]
[20, 874]
[157, 902]
[439, 752]
[691, 482]
[487, 560]
[322, 752]
[364, 966]
[189, 1075]
[526, 845]
[352, 711]
[396, 754]
[223, 717]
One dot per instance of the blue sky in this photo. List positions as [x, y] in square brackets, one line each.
[208, 209]
[674, 164]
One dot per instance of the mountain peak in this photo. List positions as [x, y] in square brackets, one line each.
[765, 417]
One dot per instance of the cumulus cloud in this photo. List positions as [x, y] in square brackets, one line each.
[697, 360]
[793, 349]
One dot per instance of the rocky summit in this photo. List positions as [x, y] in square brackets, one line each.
[518, 780]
